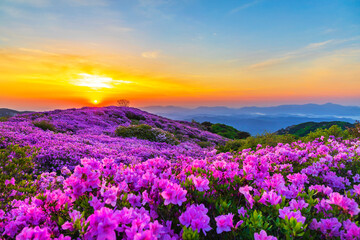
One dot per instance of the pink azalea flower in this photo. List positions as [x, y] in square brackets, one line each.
[36, 233]
[103, 223]
[11, 181]
[224, 223]
[201, 184]
[263, 236]
[174, 194]
[195, 216]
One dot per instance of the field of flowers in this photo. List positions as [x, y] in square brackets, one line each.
[91, 184]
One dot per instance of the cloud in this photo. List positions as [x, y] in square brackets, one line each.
[117, 29]
[269, 62]
[151, 54]
[244, 6]
[319, 44]
[37, 51]
[96, 82]
[34, 3]
[302, 52]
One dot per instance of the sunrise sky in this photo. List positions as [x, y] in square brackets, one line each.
[72, 53]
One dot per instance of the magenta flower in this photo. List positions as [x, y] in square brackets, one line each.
[103, 224]
[298, 205]
[263, 236]
[36, 233]
[271, 198]
[246, 192]
[346, 203]
[195, 216]
[357, 189]
[174, 194]
[242, 212]
[224, 223]
[286, 212]
[11, 181]
[201, 184]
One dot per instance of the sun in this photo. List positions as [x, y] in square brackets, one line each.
[95, 101]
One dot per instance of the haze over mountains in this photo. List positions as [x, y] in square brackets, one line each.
[260, 119]
[255, 120]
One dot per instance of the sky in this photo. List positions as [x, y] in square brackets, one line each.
[73, 53]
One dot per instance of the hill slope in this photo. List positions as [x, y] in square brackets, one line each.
[90, 132]
[303, 129]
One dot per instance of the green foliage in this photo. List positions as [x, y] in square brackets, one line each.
[355, 130]
[224, 130]
[16, 162]
[334, 130]
[204, 144]
[189, 234]
[267, 139]
[44, 125]
[304, 129]
[134, 116]
[146, 132]
[4, 119]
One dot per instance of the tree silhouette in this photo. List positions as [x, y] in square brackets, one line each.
[123, 103]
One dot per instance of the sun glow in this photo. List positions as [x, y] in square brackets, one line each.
[96, 81]
[95, 101]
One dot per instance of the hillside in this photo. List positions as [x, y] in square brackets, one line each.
[303, 129]
[73, 177]
[6, 112]
[66, 136]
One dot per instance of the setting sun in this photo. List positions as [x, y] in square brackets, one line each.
[95, 101]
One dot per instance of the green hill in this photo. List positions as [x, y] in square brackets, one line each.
[303, 129]
[225, 130]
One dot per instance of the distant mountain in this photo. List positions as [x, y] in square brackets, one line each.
[5, 112]
[262, 119]
[328, 109]
[303, 129]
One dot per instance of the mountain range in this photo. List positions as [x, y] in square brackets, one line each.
[257, 120]
[6, 112]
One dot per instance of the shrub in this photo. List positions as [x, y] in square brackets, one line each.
[44, 125]
[204, 144]
[16, 164]
[134, 116]
[267, 139]
[228, 131]
[146, 132]
[355, 131]
[334, 130]
[3, 119]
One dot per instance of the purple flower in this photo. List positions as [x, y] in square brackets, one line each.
[195, 216]
[286, 212]
[103, 224]
[12, 182]
[271, 198]
[263, 236]
[298, 205]
[174, 194]
[201, 184]
[224, 223]
[36, 233]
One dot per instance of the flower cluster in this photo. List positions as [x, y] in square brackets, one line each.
[298, 190]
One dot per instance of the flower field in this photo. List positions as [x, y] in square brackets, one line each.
[82, 181]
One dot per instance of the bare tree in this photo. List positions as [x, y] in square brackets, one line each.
[123, 103]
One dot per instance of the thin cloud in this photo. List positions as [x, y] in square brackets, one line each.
[309, 49]
[244, 6]
[151, 54]
[37, 51]
[319, 44]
